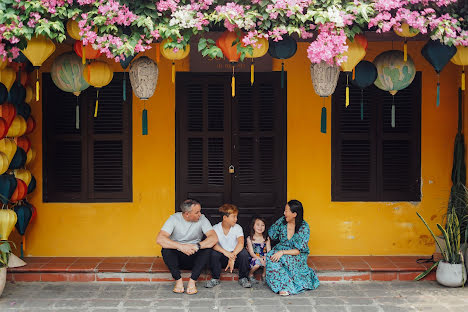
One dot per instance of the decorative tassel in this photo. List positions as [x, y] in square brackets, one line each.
[77, 116]
[347, 91]
[124, 87]
[405, 51]
[463, 79]
[24, 243]
[83, 57]
[323, 120]
[362, 104]
[158, 52]
[37, 85]
[393, 115]
[252, 70]
[282, 74]
[173, 72]
[233, 86]
[21, 252]
[438, 94]
[354, 73]
[144, 122]
[97, 103]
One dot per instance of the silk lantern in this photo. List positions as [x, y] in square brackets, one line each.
[324, 79]
[3, 128]
[438, 55]
[73, 29]
[85, 52]
[17, 94]
[19, 159]
[23, 214]
[461, 59]
[23, 174]
[3, 163]
[7, 223]
[98, 74]
[30, 156]
[393, 74]
[365, 75]
[228, 42]
[8, 147]
[8, 112]
[7, 187]
[24, 110]
[172, 55]
[39, 48]
[125, 62]
[7, 77]
[30, 125]
[20, 191]
[18, 127]
[282, 50]
[32, 185]
[144, 74]
[355, 53]
[259, 49]
[405, 31]
[3, 62]
[3, 93]
[29, 94]
[23, 142]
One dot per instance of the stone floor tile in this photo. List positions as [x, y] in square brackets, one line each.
[330, 308]
[265, 308]
[233, 302]
[293, 300]
[300, 308]
[173, 303]
[266, 302]
[72, 303]
[236, 309]
[104, 303]
[137, 303]
[333, 301]
[358, 301]
[396, 308]
[364, 309]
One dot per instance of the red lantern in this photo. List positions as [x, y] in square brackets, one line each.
[23, 142]
[225, 43]
[8, 112]
[361, 39]
[33, 213]
[20, 191]
[85, 52]
[3, 128]
[30, 125]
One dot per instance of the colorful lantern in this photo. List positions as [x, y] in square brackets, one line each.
[30, 156]
[3, 93]
[39, 48]
[3, 163]
[20, 192]
[17, 94]
[355, 53]
[144, 78]
[365, 75]
[85, 52]
[30, 125]
[226, 43]
[19, 159]
[32, 185]
[23, 174]
[7, 187]
[23, 142]
[23, 214]
[438, 55]
[7, 223]
[98, 74]
[7, 77]
[260, 48]
[125, 63]
[24, 110]
[18, 127]
[393, 73]
[282, 50]
[172, 55]
[405, 31]
[3, 128]
[3, 62]
[73, 30]
[324, 79]
[29, 94]
[8, 147]
[67, 73]
[461, 59]
[8, 112]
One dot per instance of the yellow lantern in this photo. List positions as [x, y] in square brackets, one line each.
[18, 127]
[23, 174]
[4, 164]
[29, 95]
[73, 30]
[7, 222]
[8, 147]
[30, 156]
[98, 74]
[170, 54]
[39, 48]
[7, 77]
[3, 62]
[461, 59]
[356, 52]
[406, 32]
[259, 49]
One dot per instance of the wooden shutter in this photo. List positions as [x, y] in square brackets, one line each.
[371, 161]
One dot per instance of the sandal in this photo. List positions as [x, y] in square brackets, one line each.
[283, 293]
[192, 290]
[178, 290]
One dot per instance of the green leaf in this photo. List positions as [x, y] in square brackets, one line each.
[423, 274]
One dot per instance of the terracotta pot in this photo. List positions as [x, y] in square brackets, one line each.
[3, 272]
[451, 275]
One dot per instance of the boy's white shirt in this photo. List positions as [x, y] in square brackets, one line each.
[229, 241]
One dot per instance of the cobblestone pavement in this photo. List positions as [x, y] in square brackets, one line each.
[229, 296]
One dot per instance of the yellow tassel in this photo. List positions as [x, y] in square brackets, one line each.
[173, 72]
[463, 81]
[252, 70]
[83, 57]
[347, 96]
[97, 103]
[24, 243]
[158, 53]
[354, 73]
[233, 86]
[405, 52]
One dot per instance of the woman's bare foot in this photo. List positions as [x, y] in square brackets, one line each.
[179, 287]
[191, 287]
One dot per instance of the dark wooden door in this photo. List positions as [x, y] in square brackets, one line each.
[247, 133]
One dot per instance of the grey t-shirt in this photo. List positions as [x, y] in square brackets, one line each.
[186, 232]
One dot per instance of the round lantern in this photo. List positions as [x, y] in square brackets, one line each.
[7, 223]
[3, 163]
[32, 185]
[23, 215]
[438, 55]
[3, 93]
[324, 79]
[19, 159]
[7, 187]
[405, 31]
[67, 73]
[23, 174]
[144, 78]
[20, 192]
[24, 110]
[8, 147]
[73, 30]
[39, 48]
[355, 53]
[18, 127]
[29, 94]
[3, 128]
[172, 55]
[365, 75]
[98, 74]
[17, 94]
[7, 77]
[23, 142]
[461, 59]
[85, 52]
[259, 49]
[3, 62]
[30, 156]
[30, 125]
[226, 43]
[8, 112]
[282, 50]
[393, 73]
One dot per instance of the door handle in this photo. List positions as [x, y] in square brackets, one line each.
[231, 169]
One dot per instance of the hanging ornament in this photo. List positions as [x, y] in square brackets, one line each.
[228, 43]
[39, 48]
[438, 55]
[8, 147]
[172, 55]
[23, 174]
[461, 59]
[324, 79]
[355, 53]
[18, 127]
[20, 192]
[23, 142]
[3, 163]
[30, 125]
[406, 32]
[67, 73]
[7, 187]
[8, 112]
[85, 52]
[32, 185]
[98, 74]
[3, 62]
[125, 63]
[3, 93]
[17, 94]
[365, 75]
[7, 223]
[18, 160]
[393, 74]
[23, 214]
[260, 48]
[3, 128]
[24, 110]
[73, 29]
[282, 50]
[144, 74]
[29, 94]
[7, 77]
[30, 156]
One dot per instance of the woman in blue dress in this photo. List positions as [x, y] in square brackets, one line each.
[287, 272]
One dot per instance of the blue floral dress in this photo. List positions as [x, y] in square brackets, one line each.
[259, 249]
[290, 273]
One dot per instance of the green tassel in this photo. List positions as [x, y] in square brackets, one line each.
[323, 120]
[438, 94]
[124, 87]
[22, 251]
[362, 106]
[144, 119]
[393, 116]
[282, 75]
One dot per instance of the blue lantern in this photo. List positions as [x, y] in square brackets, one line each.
[3, 93]
[24, 110]
[17, 94]
[282, 50]
[365, 73]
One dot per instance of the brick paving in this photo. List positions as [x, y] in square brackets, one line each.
[229, 296]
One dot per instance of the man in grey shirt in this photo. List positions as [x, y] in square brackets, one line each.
[182, 245]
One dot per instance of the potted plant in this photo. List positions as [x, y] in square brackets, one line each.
[451, 270]
[5, 251]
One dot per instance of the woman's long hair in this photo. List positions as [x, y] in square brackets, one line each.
[296, 207]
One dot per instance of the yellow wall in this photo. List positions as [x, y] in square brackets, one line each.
[129, 229]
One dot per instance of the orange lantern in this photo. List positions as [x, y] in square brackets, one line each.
[226, 43]
[85, 52]
[3, 128]
[20, 191]
[8, 112]
[30, 125]
[23, 142]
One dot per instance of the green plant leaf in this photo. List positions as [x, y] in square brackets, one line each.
[423, 274]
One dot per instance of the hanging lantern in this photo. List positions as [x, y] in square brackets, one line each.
[3, 93]
[30, 156]
[259, 49]
[7, 187]
[67, 73]
[226, 43]
[461, 59]
[3, 62]
[85, 52]
[324, 79]
[18, 127]
[125, 63]
[7, 223]
[23, 214]
[3, 163]
[282, 50]
[365, 75]
[8, 112]
[39, 48]
[30, 125]
[3, 128]
[20, 191]
[18, 160]
[144, 78]
[355, 53]
[98, 74]
[73, 30]
[7, 77]
[438, 55]
[172, 55]
[393, 74]
[23, 174]
[406, 32]
[24, 110]
[29, 94]
[17, 94]
[8, 147]
[23, 142]
[32, 185]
